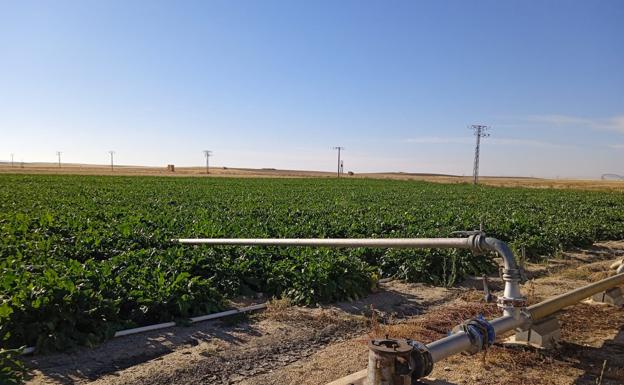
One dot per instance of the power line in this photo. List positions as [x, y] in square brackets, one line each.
[480, 131]
[207, 154]
[339, 148]
[58, 154]
[111, 152]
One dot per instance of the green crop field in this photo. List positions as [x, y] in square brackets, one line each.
[82, 257]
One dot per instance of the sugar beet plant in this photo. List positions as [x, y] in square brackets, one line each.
[82, 257]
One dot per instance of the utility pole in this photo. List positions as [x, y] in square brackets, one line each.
[341, 167]
[58, 153]
[339, 149]
[12, 155]
[207, 154]
[480, 131]
[111, 152]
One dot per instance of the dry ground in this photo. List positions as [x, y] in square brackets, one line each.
[290, 345]
[84, 169]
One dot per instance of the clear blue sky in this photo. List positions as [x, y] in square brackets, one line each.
[278, 83]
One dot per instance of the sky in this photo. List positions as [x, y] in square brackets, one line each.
[278, 83]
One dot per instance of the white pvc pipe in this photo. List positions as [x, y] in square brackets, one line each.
[228, 312]
[28, 350]
[142, 329]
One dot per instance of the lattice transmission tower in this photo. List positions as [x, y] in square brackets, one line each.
[480, 131]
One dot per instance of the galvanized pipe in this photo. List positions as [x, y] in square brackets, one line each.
[475, 242]
[398, 243]
[459, 342]
[552, 305]
[512, 300]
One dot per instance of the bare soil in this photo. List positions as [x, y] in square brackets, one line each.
[88, 169]
[292, 345]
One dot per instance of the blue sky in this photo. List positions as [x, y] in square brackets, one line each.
[278, 83]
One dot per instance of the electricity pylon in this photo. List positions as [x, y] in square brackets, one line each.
[480, 131]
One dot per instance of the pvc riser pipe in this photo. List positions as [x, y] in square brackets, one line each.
[165, 325]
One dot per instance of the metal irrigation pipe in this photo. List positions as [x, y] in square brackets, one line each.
[511, 301]
[515, 313]
[399, 243]
[554, 304]
[460, 341]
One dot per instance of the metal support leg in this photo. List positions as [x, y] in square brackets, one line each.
[543, 334]
[614, 297]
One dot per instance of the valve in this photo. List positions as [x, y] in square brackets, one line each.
[397, 361]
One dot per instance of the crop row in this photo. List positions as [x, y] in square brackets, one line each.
[82, 257]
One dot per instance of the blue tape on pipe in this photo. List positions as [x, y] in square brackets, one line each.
[491, 333]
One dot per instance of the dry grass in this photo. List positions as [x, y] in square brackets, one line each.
[584, 321]
[84, 169]
[592, 272]
[434, 324]
[471, 295]
[282, 310]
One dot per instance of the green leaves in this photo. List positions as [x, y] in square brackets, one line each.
[83, 256]
[5, 310]
[12, 370]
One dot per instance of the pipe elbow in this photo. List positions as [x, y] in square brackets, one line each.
[501, 248]
[512, 301]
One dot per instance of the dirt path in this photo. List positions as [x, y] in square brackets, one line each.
[291, 345]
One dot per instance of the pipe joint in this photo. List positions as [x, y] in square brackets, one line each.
[480, 332]
[477, 242]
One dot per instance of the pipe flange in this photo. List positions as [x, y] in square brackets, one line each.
[512, 274]
[390, 346]
[421, 361]
[504, 302]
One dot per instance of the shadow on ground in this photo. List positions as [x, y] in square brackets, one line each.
[591, 360]
[120, 353]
